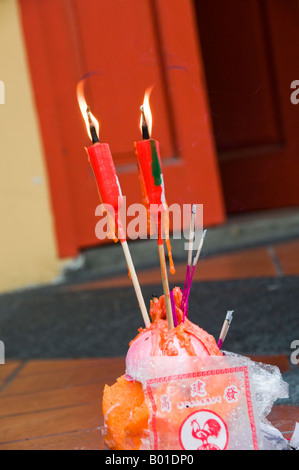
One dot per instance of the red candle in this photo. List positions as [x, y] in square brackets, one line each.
[150, 168]
[107, 181]
[109, 188]
[149, 162]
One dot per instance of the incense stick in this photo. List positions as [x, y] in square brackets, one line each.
[191, 234]
[135, 281]
[165, 285]
[167, 239]
[164, 276]
[200, 247]
[189, 260]
[191, 265]
[225, 327]
[189, 276]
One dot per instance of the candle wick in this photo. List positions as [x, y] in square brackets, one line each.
[92, 128]
[89, 115]
[145, 132]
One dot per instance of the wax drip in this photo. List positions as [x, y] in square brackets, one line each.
[173, 306]
[167, 240]
[171, 263]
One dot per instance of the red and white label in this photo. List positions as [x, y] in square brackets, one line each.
[205, 410]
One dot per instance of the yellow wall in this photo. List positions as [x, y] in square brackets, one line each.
[27, 241]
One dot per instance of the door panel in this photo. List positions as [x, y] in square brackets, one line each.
[249, 51]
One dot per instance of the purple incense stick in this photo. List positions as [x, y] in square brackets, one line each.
[188, 293]
[174, 315]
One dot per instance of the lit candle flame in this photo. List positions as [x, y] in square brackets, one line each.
[85, 110]
[146, 111]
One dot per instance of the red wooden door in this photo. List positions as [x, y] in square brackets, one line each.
[130, 45]
[250, 51]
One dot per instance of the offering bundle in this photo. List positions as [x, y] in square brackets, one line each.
[180, 389]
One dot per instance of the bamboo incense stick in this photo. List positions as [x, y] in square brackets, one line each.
[189, 260]
[189, 278]
[191, 234]
[199, 248]
[135, 281]
[164, 275]
[225, 328]
[165, 285]
[165, 217]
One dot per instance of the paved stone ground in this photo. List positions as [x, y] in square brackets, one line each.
[54, 322]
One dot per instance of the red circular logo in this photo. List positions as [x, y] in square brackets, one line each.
[203, 430]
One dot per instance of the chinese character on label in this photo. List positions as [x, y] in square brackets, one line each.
[165, 403]
[198, 388]
[231, 394]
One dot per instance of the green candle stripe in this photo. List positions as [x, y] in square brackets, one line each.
[156, 167]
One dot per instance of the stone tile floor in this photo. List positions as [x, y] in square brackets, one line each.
[55, 403]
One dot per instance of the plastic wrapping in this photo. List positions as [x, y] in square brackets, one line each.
[180, 392]
[267, 383]
[219, 404]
